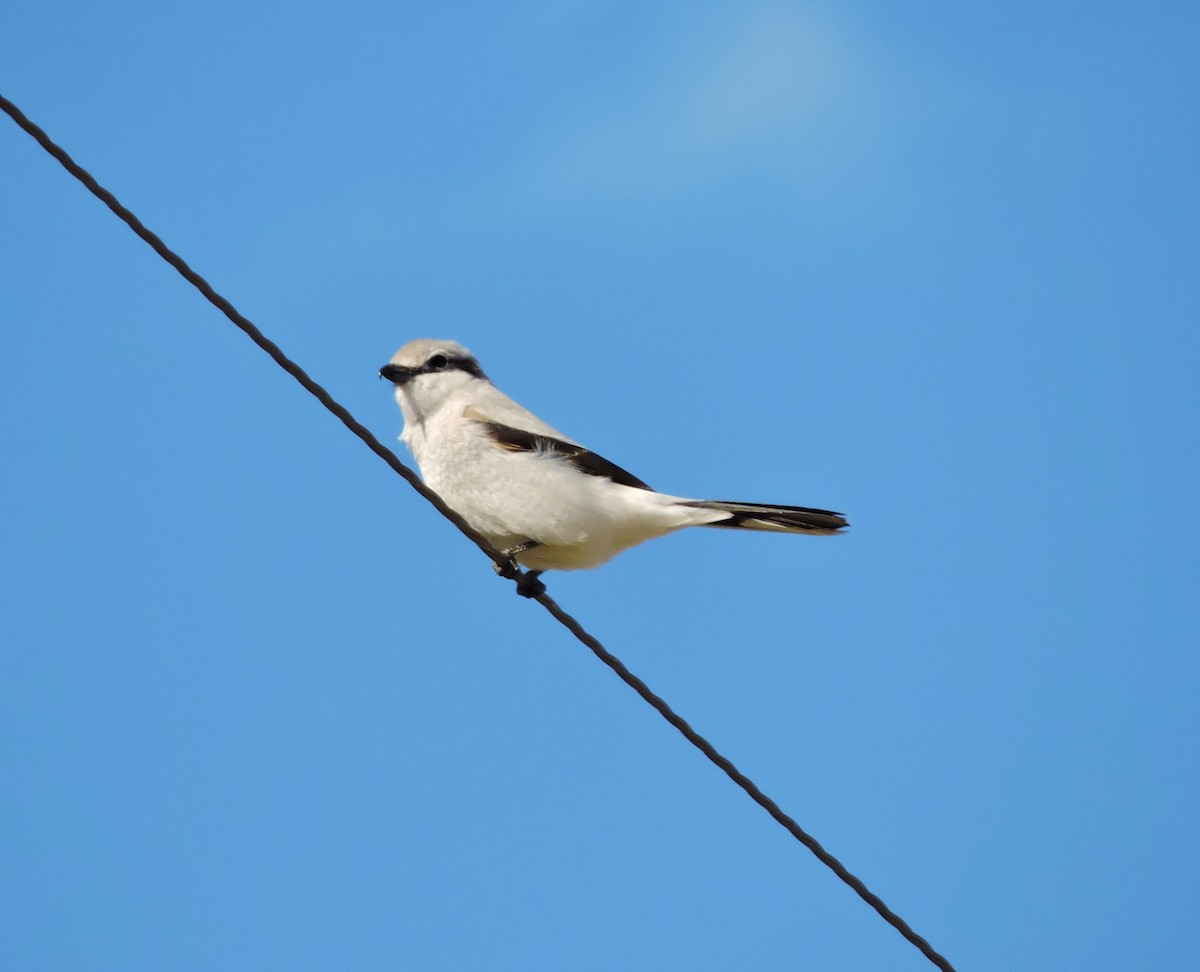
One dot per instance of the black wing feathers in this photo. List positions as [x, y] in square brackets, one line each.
[518, 440]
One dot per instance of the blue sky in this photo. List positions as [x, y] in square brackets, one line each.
[932, 266]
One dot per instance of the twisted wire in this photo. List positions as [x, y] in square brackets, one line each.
[525, 585]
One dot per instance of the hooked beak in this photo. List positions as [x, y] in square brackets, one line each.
[397, 374]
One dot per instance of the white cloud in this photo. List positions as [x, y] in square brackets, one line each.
[781, 95]
[781, 71]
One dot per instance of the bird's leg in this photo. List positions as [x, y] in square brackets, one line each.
[511, 568]
[528, 584]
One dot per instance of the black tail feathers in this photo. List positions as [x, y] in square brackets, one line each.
[783, 519]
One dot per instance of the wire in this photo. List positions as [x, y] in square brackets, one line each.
[525, 585]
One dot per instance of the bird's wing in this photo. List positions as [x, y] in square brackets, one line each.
[512, 439]
[492, 405]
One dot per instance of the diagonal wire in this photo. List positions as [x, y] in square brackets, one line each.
[386, 454]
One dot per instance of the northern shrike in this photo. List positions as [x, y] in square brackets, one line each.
[541, 498]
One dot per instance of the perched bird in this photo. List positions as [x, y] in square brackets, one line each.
[538, 496]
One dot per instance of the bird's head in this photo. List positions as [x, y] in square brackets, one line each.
[426, 372]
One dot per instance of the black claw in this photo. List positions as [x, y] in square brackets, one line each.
[528, 584]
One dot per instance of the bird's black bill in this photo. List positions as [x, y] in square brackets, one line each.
[397, 374]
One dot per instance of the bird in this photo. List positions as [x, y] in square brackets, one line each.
[542, 499]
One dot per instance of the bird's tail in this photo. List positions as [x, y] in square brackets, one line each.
[782, 519]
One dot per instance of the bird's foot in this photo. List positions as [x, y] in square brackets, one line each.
[529, 584]
[527, 581]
